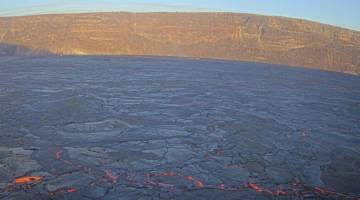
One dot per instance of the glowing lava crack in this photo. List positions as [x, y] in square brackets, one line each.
[27, 180]
[113, 127]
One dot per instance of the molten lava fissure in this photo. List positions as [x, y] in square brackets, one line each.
[215, 143]
[159, 184]
[196, 181]
[176, 174]
[305, 134]
[58, 154]
[255, 187]
[279, 192]
[27, 180]
[58, 157]
[71, 190]
[319, 191]
[100, 181]
[112, 176]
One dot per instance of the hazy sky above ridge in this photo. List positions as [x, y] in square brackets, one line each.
[343, 13]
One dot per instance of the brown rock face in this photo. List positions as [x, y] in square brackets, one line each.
[243, 37]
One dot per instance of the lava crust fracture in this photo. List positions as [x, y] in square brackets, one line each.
[110, 127]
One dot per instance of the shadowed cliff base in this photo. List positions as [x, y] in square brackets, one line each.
[229, 36]
[16, 50]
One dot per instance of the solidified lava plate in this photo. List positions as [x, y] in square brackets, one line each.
[120, 127]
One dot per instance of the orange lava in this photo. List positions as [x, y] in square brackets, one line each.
[84, 168]
[255, 187]
[307, 188]
[58, 154]
[111, 176]
[176, 174]
[323, 192]
[165, 174]
[100, 181]
[58, 157]
[268, 191]
[27, 180]
[279, 192]
[198, 182]
[71, 190]
[160, 184]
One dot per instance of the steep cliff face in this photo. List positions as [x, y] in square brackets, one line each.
[242, 37]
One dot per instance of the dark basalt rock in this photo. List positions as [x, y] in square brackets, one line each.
[122, 127]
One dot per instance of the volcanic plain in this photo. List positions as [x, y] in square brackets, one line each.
[135, 127]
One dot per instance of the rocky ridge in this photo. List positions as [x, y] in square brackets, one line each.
[231, 36]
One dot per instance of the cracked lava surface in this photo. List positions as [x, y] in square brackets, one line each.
[119, 127]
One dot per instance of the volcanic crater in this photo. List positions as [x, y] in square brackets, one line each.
[137, 127]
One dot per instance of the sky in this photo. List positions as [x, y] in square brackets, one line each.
[343, 13]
